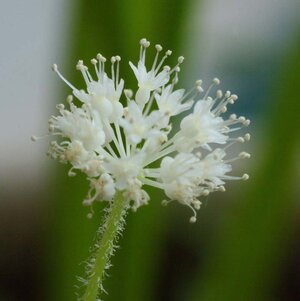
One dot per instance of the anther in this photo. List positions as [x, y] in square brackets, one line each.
[143, 41]
[113, 59]
[193, 219]
[197, 204]
[80, 65]
[216, 81]
[222, 188]
[245, 177]
[223, 109]
[234, 97]
[219, 94]
[101, 58]
[180, 59]
[244, 155]
[60, 106]
[71, 173]
[205, 192]
[199, 89]
[128, 93]
[94, 61]
[247, 137]
[164, 203]
[199, 82]
[227, 94]
[168, 52]
[54, 68]
[158, 47]
[118, 58]
[69, 99]
[177, 69]
[246, 122]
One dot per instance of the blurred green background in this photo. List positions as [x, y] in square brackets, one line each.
[245, 244]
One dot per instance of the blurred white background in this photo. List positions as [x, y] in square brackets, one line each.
[31, 40]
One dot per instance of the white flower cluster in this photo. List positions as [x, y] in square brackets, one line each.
[127, 144]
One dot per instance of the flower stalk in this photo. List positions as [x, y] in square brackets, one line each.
[110, 229]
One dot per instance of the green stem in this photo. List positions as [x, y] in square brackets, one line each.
[111, 227]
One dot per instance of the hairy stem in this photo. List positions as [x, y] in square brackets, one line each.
[113, 224]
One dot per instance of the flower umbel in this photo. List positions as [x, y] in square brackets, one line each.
[123, 141]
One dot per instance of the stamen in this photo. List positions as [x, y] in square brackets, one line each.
[83, 69]
[118, 59]
[221, 107]
[128, 94]
[119, 137]
[152, 183]
[149, 105]
[235, 140]
[166, 202]
[113, 60]
[144, 44]
[245, 177]
[219, 94]
[71, 173]
[176, 67]
[187, 94]
[110, 149]
[221, 188]
[34, 138]
[113, 137]
[161, 154]
[102, 61]
[95, 62]
[197, 204]
[244, 155]
[69, 99]
[55, 69]
[247, 137]
[215, 81]
[175, 78]
[158, 50]
[193, 219]
[89, 215]
[168, 53]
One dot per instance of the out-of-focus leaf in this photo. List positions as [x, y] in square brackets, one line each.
[245, 258]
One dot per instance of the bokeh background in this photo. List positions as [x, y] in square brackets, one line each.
[246, 243]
